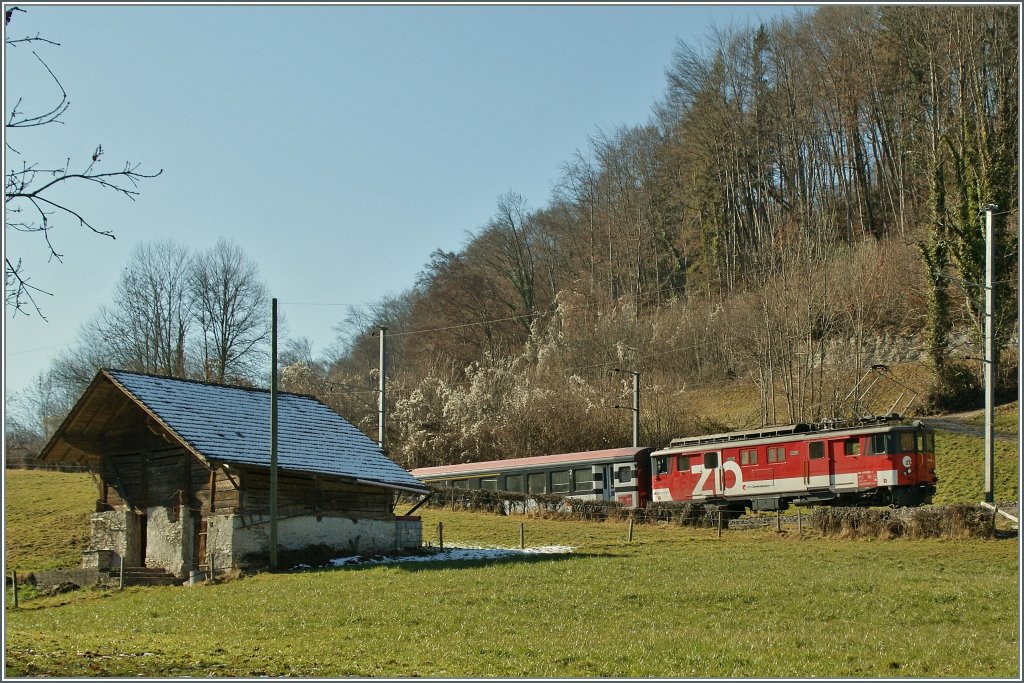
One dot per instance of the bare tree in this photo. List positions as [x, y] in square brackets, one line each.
[31, 188]
[231, 305]
[147, 326]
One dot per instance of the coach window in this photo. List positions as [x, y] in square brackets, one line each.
[584, 479]
[851, 447]
[560, 481]
[661, 465]
[514, 483]
[536, 482]
[461, 484]
[816, 450]
[683, 463]
[625, 474]
[489, 483]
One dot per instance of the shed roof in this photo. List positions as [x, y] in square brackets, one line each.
[230, 424]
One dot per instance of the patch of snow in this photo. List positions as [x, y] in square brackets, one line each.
[460, 553]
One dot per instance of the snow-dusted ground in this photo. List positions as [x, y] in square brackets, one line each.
[454, 553]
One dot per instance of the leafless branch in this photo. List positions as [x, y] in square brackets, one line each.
[52, 116]
[19, 292]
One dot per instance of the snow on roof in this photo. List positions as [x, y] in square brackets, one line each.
[232, 425]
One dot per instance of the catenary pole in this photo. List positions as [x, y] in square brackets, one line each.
[381, 417]
[273, 434]
[636, 409]
[990, 356]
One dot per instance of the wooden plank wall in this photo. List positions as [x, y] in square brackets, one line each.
[155, 478]
[171, 476]
[318, 495]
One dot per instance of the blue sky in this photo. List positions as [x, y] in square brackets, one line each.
[338, 145]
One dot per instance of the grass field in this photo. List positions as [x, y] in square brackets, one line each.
[676, 602]
[673, 603]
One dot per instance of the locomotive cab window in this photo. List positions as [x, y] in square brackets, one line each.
[878, 444]
[928, 442]
[683, 463]
[816, 450]
[851, 447]
[907, 442]
[661, 465]
[710, 460]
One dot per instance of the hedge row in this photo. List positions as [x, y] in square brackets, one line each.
[560, 507]
[939, 521]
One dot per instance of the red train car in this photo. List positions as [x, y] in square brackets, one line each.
[877, 463]
[768, 469]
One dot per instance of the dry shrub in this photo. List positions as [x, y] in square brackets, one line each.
[547, 506]
[933, 521]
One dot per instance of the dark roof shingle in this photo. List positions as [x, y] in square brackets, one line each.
[232, 425]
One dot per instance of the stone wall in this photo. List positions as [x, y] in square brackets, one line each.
[169, 540]
[116, 531]
[408, 534]
[233, 545]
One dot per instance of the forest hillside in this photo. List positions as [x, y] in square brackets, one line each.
[796, 234]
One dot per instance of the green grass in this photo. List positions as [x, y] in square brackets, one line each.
[960, 467]
[47, 517]
[674, 603]
[677, 602]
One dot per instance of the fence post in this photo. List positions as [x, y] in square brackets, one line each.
[719, 523]
[440, 535]
[14, 586]
[522, 536]
[630, 529]
[120, 575]
[799, 523]
[778, 519]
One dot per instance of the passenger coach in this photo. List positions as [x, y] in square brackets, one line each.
[622, 475]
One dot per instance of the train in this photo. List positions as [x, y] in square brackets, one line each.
[877, 462]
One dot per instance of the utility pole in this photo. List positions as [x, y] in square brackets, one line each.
[381, 418]
[990, 356]
[636, 405]
[273, 434]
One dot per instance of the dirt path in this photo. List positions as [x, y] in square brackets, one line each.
[951, 424]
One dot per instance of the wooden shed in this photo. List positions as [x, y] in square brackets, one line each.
[183, 476]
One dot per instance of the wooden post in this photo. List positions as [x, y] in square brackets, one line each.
[14, 586]
[719, 523]
[522, 536]
[120, 575]
[799, 522]
[440, 535]
[778, 519]
[630, 529]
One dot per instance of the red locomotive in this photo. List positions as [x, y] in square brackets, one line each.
[767, 469]
[868, 463]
